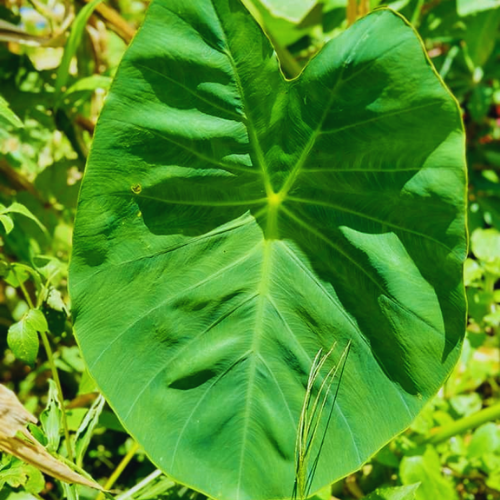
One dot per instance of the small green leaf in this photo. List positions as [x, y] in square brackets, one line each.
[51, 418]
[18, 208]
[426, 469]
[19, 273]
[485, 440]
[19, 474]
[89, 83]
[8, 114]
[36, 482]
[396, 493]
[472, 272]
[466, 404]
[13, 475]
[485, 244]
[7, 222]
[22, 337]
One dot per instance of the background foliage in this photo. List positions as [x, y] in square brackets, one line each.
[57, 59]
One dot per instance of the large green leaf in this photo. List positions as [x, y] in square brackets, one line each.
[232, 223]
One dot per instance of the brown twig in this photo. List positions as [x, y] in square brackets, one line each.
[352, 487]
[352, 10]
[17, 180]
[115, 22]
[85, 124]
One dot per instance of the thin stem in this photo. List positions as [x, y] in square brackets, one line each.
[465, 424]
[119, 469]
[288, 62]
[140, 485]
[415, 18]
[115, 22]
[53, 369]
[352, 10]
[364, 7]
[55, 376]
[23, 289]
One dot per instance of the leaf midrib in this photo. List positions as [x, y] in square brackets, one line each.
[252, 134]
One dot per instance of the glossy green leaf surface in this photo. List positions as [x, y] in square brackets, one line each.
[231, 224]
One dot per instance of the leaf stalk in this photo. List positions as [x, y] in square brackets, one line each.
[119, 469]
[464, 424]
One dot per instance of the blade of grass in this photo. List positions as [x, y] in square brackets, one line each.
[311, 416]
[341, 363]
[73, 42]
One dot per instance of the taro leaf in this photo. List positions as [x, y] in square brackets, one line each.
[232, 223]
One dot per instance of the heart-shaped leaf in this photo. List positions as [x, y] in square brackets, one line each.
[231, 224]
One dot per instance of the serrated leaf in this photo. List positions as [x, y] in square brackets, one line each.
[86, 429]
[18, 474]
[51, 418]
[36, 481]
[13, 474]
[22, 336]
[232, 223]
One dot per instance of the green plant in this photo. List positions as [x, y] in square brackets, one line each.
[233, 223]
